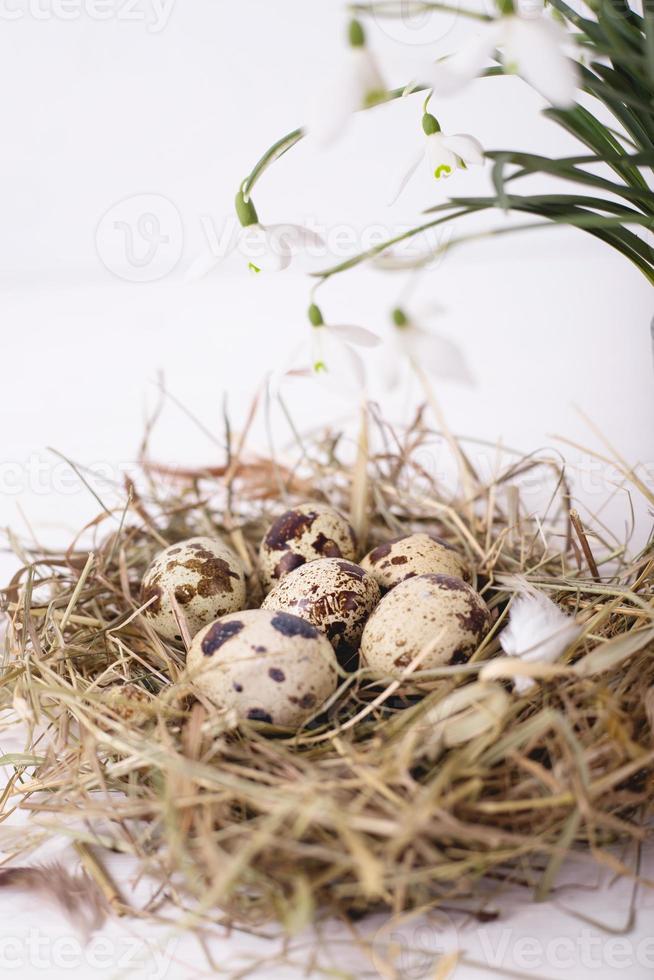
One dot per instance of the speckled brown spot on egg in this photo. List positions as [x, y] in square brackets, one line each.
[218, 634]
[307, 700]
[292, 626]
[475, 620]
[289, 527]
[152, 591]
[352, 569]
[287, 563]
[258, 714]
[277, 675]
[215, 574]
[325, 547]
[184, 594]
[381, 551]
[448, 582]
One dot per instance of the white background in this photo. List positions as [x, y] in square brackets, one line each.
[179, 104]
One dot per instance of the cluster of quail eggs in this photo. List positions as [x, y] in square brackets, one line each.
[407, 602]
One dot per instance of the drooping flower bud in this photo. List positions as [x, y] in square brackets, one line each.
[430, 124]
[315, 316]
[245, 210]
[356, 34]
[399, 317]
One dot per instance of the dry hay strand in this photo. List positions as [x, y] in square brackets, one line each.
[388, 799]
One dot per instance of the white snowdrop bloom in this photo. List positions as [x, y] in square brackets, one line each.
[272, 247]
[330, 355]
[335, 358]
[537, 631]
[435, 354]
[444, 154]
[358, 85]
[530, 45]
[269, 248]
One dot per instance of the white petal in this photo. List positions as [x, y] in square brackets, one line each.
[438, 355]
[442, 162]
[357, 368]
[467, 147]
[201, 266]
[367, 76]
[535, 49]
[336, 365]
[356, 82]
[392, 369]
[452, 74]
[262, 250]
[408, 174]
[296, 235]
[537, 631]
[358, 336]
[287, 369]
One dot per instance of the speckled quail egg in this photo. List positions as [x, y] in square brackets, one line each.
[335, 595]
[303, 534]
[203, 574]
[436, 611]
[411, 555]
[266, 665]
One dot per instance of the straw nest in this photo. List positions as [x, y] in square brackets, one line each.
[387, 800]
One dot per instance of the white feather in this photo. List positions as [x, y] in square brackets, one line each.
[537, 631]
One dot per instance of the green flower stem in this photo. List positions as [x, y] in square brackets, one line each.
[377, 249]
[556, 210]
[287, 142]
[277, 150]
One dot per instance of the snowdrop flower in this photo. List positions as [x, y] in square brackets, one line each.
[444, 154]
[530, 45]
[359, 86]
[537, 631]
[334, 348]
[436, 355]
[330, 355]
[265, 247]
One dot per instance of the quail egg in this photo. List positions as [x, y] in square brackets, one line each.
[203, 574]
[266, 665]
[335, 595]
[302, 534]
[436, 611]
[414, 554]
